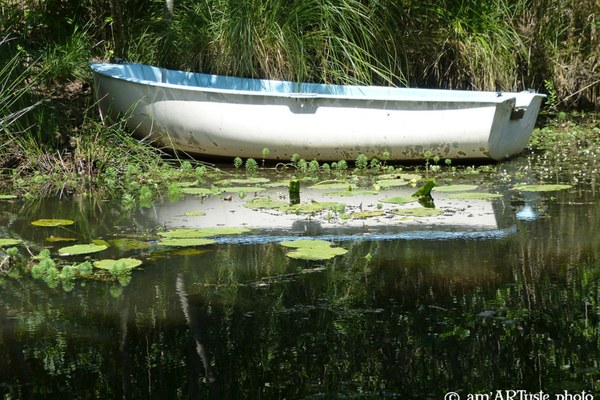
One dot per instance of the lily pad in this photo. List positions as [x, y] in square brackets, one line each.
[47, 222]
[307, 249]
[349, 193]
[53, 239]
[190, 233]
[367, 214]
[316, 206]
[454, 188]
[186, 242]
[109, 263]
[277, 184]
[7, 196]
[80, 249]
[245, 181]
[242, 189]
[195, 214]
[198, 191]
[389, 183]
[418, 212]
[399, 200]
[305, 243]
[333, 185]
[474, 196]
[9, 242]
[541, 188]
[265, 203]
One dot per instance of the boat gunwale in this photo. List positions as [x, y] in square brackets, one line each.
[410, 95]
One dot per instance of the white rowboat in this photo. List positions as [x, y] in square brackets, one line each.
[203, 114]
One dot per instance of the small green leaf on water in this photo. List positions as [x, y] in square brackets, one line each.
[195, 214]
[317, 253]
[53, 239]
[265, 203]
[7, 196]
[333, 185]
[367, 214]
[315, 206]
[398, 200]
[79, 249]
[541, 188]
[474, 196]
[242, 189]
[9, 242]
[47, 222]
[305, 243]
[307, 249]
[126, 262]
[389, 183]
[191, 233]
[245, 181]
[454, 188]
[418, 212]
[349, 193]
[185, 242]
[200, 191]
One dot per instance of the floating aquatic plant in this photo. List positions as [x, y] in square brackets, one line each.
[245, 181]
[541, 188]
[350, 193]
[8, 242]
[399, 200]
[454, 188]
[474, 196]
[418, 212]
[186, 242]
[54, 239]
[107, 264]
[80, 249]
[7, 196]
[195, 214]
[367, 214]
[242, 189]
[389, 183]
[194, 233]
[47, 222]
[199, 191]
[307, 249]
[266, 203]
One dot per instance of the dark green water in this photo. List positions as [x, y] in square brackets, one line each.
[404, 314]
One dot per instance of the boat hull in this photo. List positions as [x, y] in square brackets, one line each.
[241, 117]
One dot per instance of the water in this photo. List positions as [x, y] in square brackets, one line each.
[411, 311]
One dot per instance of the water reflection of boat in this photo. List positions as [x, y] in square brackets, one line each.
[458, 217]
[228, 116]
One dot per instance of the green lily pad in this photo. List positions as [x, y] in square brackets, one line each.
[474, 196]
[186, 242]
[195, 214]
[541, 188]
[389, 183]
[349, 193]
[245, 181]
[80, 249]
[307, 249]
[53, 239]
[47, 222]
[192, 233]
[315, 254]
[242, 189]
[265, 203]
[109, 263]
[367, 214]
[316, 206]
[277, 184]
[418, 212]
[333, 185]
[454, 188]
[399, 200]
[9, 242]
[305, 243]
[7, 196]
[198, 191]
